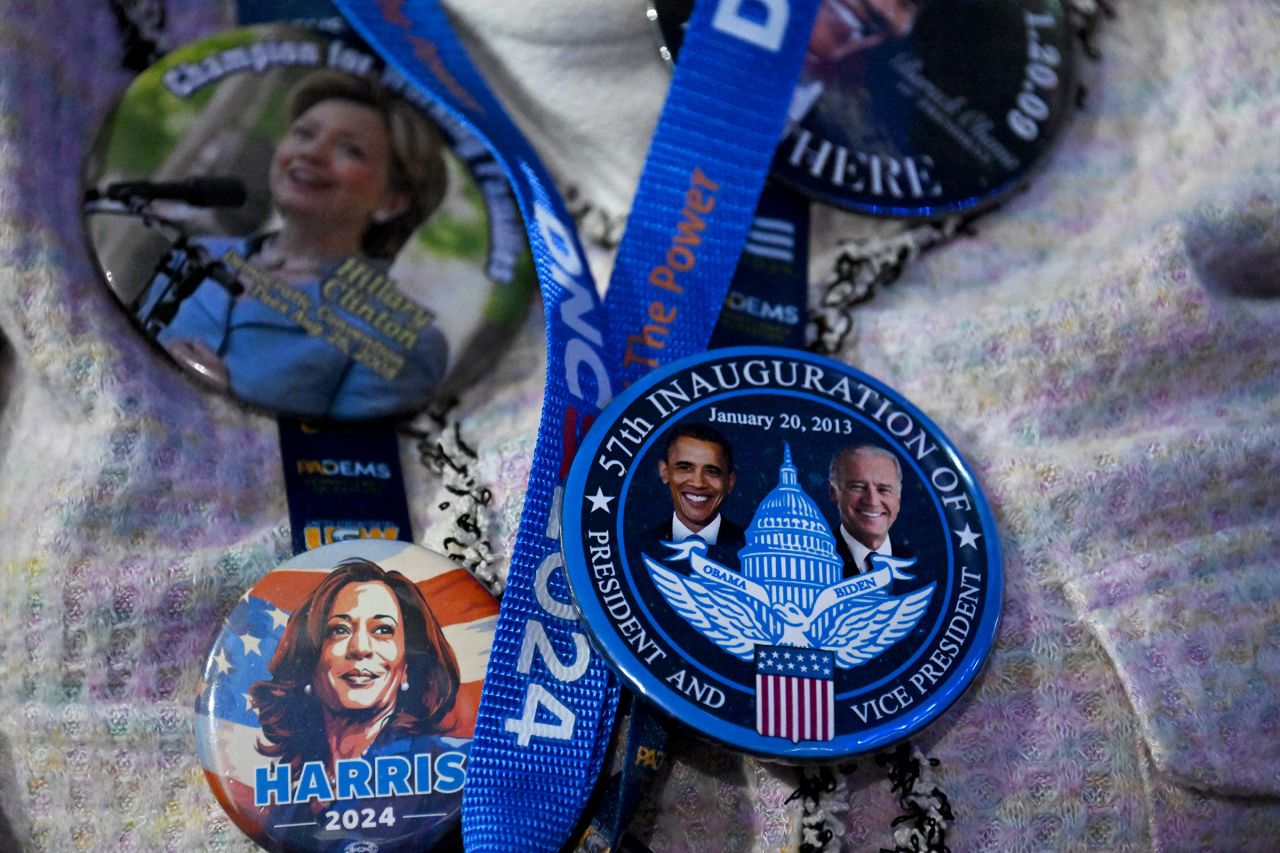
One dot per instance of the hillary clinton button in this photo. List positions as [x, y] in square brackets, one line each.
[339, 699]
[781, 553]
[919, 108]
[295, 224]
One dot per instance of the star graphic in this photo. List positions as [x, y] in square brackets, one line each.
[278, 617]
[252, 644]
[248, 702]
[599, 500]
[804, 667]
[220, 660]
[968, 537]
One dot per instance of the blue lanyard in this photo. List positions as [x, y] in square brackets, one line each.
[549, 701]
[702, 179]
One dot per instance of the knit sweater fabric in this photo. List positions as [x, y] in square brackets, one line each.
[1102, 348]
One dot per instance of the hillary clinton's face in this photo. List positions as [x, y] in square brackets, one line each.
[333, 167]
[362, 654]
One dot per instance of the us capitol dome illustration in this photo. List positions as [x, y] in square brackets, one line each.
[790, 550]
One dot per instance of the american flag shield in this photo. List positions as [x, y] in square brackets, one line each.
[795, 693]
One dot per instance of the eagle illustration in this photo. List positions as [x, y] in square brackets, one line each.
[737, 613]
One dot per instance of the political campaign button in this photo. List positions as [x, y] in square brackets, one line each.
[919, 108]
[339, 699]
[782, 553]
[298, 226]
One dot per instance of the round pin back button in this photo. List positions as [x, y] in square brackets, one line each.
[919, 108]
[781, 553]
[297, 226]
[339, 699]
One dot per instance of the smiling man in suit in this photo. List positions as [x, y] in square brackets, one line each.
[697, 469]
[865, 484]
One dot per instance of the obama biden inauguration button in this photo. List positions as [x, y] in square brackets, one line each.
[781, 553]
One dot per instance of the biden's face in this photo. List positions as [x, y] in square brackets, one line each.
[868, 492]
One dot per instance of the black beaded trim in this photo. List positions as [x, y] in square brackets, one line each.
[444, 452]
[141, 24]
[926, 809]
[863, 267]
[926, 813]
[1086, 16]
[595, 224]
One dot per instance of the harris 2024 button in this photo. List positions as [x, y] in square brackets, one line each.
[920, 108]
[782, 553]
[339, 699]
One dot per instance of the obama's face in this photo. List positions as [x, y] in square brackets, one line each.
[698, 475]
[845, 27]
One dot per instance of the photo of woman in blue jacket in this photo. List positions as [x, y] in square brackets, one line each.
[317, 328]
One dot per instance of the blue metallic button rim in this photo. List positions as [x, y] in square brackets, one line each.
[743, 737]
